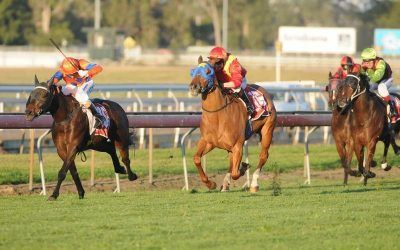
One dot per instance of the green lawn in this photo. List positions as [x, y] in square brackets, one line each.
[324, 215]
[14, 168]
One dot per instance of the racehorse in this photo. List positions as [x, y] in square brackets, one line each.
[364, 117]
[223, 123]
[70, 131]
[341, 130]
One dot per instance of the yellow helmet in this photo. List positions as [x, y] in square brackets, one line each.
[368, 54]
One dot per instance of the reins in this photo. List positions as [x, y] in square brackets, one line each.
[219, 109]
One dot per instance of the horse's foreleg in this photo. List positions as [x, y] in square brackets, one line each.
[77, 180]
[227, 179]
[203, 148]
[341, 149]
[384, 164]
[69, 159]
[267, 133]
[370, 155]
[359, 151]
[237, 153]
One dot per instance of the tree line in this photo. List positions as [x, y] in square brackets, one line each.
[176, 24]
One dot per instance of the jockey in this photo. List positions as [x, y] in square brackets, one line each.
[346, 67]
[229, 71]
[379, 74]
[78, 75]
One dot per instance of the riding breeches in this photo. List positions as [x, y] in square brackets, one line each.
[382, 87]
[80, 93]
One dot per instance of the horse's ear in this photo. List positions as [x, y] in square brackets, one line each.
[330, 75]
[37, 83]
[200, 59]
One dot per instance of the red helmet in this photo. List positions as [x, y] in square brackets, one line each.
[347, 60]
[218, 53]
[69, 66]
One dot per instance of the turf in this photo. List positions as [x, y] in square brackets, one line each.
[323, 216]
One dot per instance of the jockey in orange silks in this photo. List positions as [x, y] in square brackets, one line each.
[78, 75]
[231, 74]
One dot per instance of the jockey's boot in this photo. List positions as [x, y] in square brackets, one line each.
[245, 98]
[99, 119]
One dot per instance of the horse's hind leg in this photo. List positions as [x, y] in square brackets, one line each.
[203, 148]
[77, 180]
[124, 152]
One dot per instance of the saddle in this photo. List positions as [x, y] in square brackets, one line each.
[259, 102]
[102, 130]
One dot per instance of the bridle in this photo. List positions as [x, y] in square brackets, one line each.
[358, 91]
[49, 100]
[211, 84]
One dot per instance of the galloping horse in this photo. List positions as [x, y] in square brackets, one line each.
[365, 119]
[223, 123]
[70, 131]
[341, 130]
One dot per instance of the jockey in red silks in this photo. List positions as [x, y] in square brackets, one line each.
[78, 75]
[231, 74]
[346, 67]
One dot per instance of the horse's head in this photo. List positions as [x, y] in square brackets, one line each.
[349, 89]
[331, 88]
[203, 78]
[40, 99]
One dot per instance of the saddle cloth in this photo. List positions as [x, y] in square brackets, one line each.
[259, 103]
[396, 101]
[103, 128]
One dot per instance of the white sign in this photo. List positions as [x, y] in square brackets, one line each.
[317, 40]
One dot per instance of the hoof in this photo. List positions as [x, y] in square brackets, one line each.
[355, 173]
[52, 198]
[224, 189]
[81, 196]
[369, 175]
[254, 189]
[211, 185]
[244, 168]
[373, 164]
[120, 170]
[132, 177]
[386, 166]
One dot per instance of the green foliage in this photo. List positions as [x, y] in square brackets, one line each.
[176, 24]
[15, 22]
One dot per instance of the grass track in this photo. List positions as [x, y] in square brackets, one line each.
[325, 215]
[318, 217]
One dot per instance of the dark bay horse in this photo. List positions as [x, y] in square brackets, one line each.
[365, 115]
[70, 131]
[341, 130]
[223, 124]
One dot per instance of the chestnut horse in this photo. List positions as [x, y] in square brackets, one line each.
[363, 115]
[70, 131]
[223, 124]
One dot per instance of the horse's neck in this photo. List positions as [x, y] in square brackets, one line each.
[214, 100]
[363, 105]
[61, 107]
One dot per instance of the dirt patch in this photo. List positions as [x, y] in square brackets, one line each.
[176, 182]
